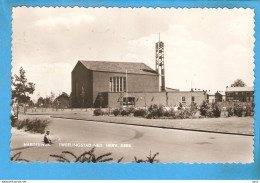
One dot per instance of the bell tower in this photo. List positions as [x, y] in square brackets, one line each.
[159, 62]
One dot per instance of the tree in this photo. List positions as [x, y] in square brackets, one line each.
[238, 83]
[21, 89]
[40, 102]
[52, 98]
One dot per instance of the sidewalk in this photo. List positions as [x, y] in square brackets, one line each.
[232, 125]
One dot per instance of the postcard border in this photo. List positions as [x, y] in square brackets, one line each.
[37, 170]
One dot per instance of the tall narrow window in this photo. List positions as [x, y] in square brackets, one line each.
[114, 84]
[120, 84]
[124, 89]
[110, 85]
[77, 89]
[117, 84]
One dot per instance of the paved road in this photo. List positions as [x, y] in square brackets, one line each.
[173, 145]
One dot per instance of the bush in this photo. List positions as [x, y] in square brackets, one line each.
[125, 113]
[155, 111]
[216, 110]
[230, 111]
[13, 120]
[116, 112]
[140, 112]
[180, 107]
[250, 109]
[238, 109]
[98, 112]
[184, 114]
[170, 114]
[33, 125]
[204, 109]
[193, 108]
[130, 109]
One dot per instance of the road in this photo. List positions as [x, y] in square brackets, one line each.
[172, 145]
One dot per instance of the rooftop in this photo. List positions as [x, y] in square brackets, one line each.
[121, 67]
[237, 89]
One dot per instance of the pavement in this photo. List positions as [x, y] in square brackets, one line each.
[129, 141]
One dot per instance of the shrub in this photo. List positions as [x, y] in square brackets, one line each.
[155, 111]
[238, 109]
[183, 114]
[125, 113]
[250, 109]
[169, 113]
[216, 110]
[193, 108]
[116, 112]
[13, 120]
[230, 111]
[98, 112]
[130, 109]
[204, 109]
[180, 107]
[33, 125]
[140, 112]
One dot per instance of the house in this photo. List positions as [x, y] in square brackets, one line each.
[219, 96]
[242, 94]
[62, 101]
[115, 84]
[211, 98]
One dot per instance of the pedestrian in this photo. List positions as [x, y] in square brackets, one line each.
[47, 139]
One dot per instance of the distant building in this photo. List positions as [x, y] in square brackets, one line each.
[211, 98]
[243, 94]
[220, 96]
[63, 101]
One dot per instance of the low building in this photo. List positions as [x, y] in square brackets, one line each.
[62, 101]
[242, 94]
[143, 99]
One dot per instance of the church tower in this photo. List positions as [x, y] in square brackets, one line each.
[159, 62]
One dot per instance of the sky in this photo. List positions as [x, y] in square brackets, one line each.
[204, 48]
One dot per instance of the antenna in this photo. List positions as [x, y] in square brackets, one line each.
[159, 36]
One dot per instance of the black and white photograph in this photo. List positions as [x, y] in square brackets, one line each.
[132, 85]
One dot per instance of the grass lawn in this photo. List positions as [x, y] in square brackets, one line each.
[234, 125]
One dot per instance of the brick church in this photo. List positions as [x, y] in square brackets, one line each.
[118, 84]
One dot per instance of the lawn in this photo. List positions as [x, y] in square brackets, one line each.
[235, 125]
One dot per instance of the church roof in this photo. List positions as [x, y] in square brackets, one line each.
[121, 67]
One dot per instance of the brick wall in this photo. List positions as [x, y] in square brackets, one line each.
[174, 98]
[160, 98]
[135, 83]
[83, 77]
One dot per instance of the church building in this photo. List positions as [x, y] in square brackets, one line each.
[118, 84]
